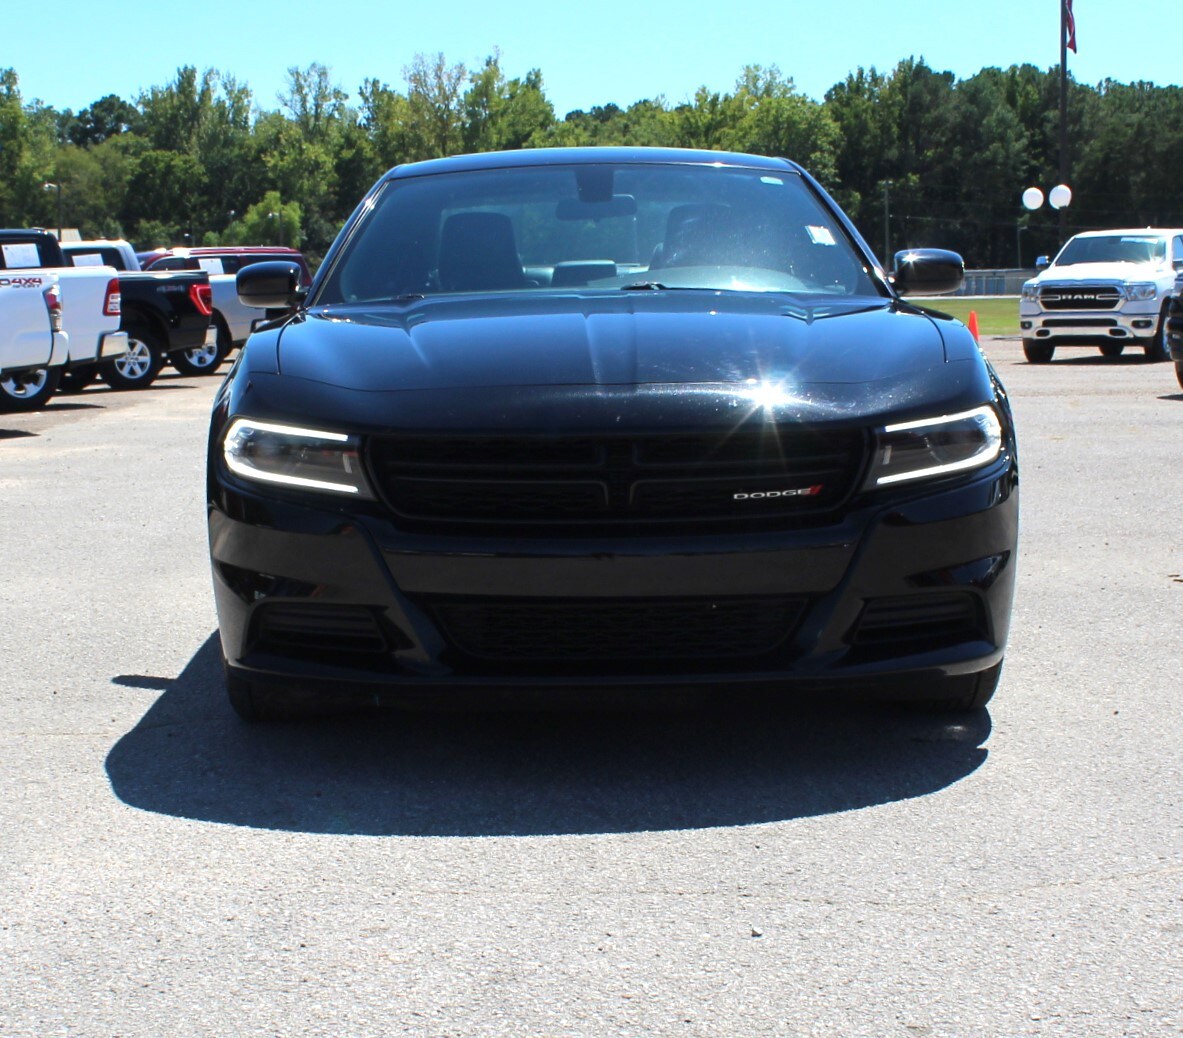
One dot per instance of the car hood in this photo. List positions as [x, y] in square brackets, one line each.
[1091, 272]
[672, 339]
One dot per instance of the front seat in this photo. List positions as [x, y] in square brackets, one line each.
[478, 253]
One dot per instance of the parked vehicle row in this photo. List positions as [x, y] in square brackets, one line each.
[232, 322]
[120, 322]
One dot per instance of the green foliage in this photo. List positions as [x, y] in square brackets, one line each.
[913, 154]
[270, 221]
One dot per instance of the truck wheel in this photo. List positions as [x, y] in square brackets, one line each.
[1156, 348]
[139, 366]
[28, 390]
[75, 380]
[1112, 349]
[1179, 372]
[1037, 352]
[204, 359]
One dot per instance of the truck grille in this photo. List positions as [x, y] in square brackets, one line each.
[603, 482]
[607, 632]
[1079, 297]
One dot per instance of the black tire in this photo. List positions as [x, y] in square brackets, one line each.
[1038, 352]
[1156, 348]
[138, 368]
[1112, 349]
[203, 360]
[1179, 372]
[75, 380]
[28, 390]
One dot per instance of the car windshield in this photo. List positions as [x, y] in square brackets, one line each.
[1114, 248]
[602, 227]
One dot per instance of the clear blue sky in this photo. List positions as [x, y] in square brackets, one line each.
[69, 53]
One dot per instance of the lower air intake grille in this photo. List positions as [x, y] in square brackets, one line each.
[915, 623]
[303, 628]
[617, 630]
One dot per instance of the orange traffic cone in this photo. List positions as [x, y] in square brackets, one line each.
[973, 325]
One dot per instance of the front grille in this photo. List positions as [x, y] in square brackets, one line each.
[916, 623]
[616, 481]
[1079, 297]
[609, 632]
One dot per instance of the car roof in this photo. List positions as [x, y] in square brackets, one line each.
[583, 156]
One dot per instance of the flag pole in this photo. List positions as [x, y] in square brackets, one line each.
[1063, 110]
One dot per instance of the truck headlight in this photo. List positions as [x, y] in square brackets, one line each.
[290, 456]
[1139, 291]
[1030, 291]
[930, 448]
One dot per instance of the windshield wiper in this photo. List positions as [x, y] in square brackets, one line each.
[644, 286]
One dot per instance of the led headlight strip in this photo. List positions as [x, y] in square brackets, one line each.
[293, 456]
[929, 448]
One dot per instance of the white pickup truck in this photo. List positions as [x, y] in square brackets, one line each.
[1105, 289]
[33, 346]
[90, 303]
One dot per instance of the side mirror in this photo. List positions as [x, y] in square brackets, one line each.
[930, 272]
[271, 285]
[1042, 263]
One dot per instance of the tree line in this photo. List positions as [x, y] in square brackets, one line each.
[914, 155]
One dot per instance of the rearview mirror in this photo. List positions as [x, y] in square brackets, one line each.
[577, 209]
[1042, 263]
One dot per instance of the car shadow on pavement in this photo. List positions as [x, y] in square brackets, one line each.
[527, 773]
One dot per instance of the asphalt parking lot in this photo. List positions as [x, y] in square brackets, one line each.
[792, 870]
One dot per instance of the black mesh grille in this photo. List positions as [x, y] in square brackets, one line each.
[617, 630]
[543, 481]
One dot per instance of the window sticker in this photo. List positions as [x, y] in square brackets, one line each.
[777, 181]
[21, 254]
[211, 265]
[88, 259]
[820, 235]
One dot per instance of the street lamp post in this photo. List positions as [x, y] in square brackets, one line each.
[1019, 229]
[47, 186]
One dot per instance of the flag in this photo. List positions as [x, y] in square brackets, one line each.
[1069, 26]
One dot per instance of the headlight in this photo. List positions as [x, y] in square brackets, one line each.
[933, 447]
[1030, 291]
[1141, 290]
[310, 459]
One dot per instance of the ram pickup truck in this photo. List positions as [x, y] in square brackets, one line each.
[162, 314]
[33, 345]
[231, 321]
[1106, 289]
[90, 299]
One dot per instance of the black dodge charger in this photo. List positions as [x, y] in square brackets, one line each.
[608, 424]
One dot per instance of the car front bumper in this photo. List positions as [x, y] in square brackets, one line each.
[1132, 322]
[350, 605]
